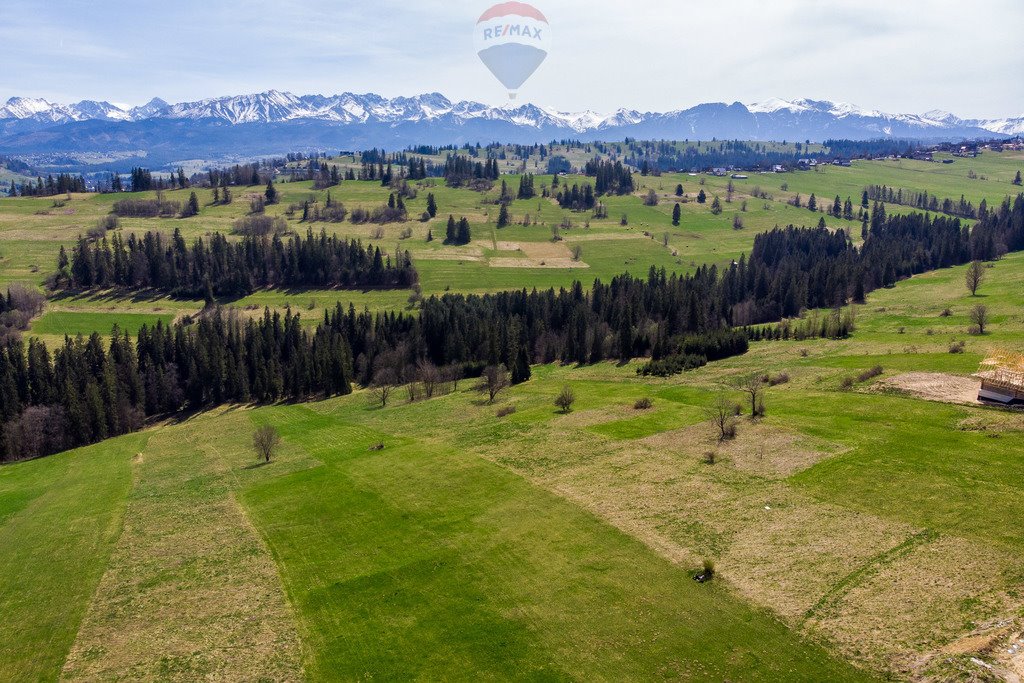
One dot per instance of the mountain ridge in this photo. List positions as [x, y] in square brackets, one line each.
[273, 106]
[273, 122]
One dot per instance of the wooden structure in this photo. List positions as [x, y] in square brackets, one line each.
[1002, 378]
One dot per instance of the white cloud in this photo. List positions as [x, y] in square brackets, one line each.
[647, 54]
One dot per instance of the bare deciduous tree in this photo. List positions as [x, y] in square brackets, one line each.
[451, 374]
[753, 387]
[493, 380]
[722, 414]
[265, 441]
[384, 383]
[974, 277]
[979, 316]
[429, 376]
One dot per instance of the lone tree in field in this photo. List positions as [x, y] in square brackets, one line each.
[753, 387]
[701, 197]
[265, 441]
[1016, 179]
[384, 383]
[716, 206]
[503, 218]
[676, 214]
[566, 397]
[975, 276]
[679, 189]
[271, 193]
[431, 205]
[722, 414]
[493, 381]
[979, 316]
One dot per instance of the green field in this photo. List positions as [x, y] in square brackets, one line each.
[33, 229]
[861, 533]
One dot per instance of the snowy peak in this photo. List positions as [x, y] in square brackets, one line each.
[805, 106]
[759, 120]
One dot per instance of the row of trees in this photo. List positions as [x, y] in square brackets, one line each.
[62, 183]
[927, 202]
[577, 198]
[218, 266]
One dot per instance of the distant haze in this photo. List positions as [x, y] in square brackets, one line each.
[655, 55]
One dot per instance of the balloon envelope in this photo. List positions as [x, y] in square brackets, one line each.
[512, 40]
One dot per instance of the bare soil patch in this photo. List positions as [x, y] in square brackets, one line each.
[597, 237]
[936, 386]
[504, 262]
[546, 250]
[451, 254]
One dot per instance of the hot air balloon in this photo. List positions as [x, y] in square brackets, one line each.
[512, 40]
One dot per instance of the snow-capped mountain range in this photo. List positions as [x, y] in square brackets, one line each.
[349, 108]
[274, 122]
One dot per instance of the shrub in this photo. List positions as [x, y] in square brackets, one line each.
[505, 411]
[706, 572]
[709, 568]
[870, 374]
[566, 397]
[109, 222]
[146, 208]
[709, 458]
[643, 404]
[945, 313]
[846, 383]
[259, 225]
[781, 378]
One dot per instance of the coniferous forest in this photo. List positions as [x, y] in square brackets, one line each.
[226, 268]
[89, 390]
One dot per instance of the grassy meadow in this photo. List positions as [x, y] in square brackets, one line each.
[33, 229]
[861, 532]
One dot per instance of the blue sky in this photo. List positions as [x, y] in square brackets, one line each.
[908, 56]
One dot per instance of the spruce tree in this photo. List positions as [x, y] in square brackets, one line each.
[676, 214]
[463, 236]
[521, 367]
[450, 234]
[1016, 180]
[271, 193]
[503, 218]
[192, 208]
[431, 205]
[679, 190]
[701, 197]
